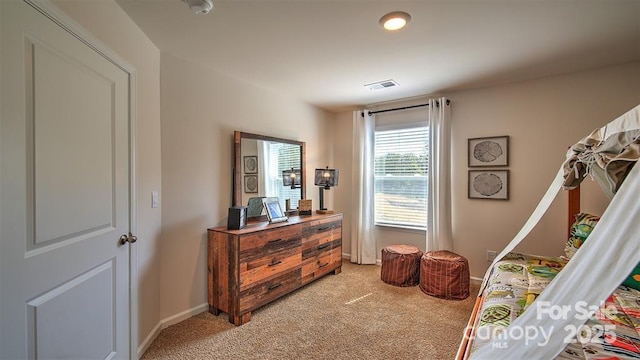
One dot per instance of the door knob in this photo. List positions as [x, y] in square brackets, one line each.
[128, 239]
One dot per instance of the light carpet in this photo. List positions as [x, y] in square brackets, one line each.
[352, 315]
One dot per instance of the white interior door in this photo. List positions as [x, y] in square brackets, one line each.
[64, 190]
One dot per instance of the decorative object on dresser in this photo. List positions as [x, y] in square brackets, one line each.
[304, 207]
[237, 218]
[251, 267]
[274, 211]
[325, 179]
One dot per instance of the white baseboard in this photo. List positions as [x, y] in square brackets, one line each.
[165, 323]
[149, 339]
[348, 257]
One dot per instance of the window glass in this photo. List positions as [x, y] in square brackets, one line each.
[283, 157]
[401, 168]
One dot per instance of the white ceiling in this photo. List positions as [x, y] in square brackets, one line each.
[323, 52]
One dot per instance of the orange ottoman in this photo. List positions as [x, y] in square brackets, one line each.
[445, 275]
[401, 265]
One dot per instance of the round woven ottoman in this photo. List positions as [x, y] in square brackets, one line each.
[401, 265]
[445, 275]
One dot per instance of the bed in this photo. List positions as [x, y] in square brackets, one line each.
[539, 307]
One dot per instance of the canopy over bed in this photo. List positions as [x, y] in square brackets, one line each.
[612, 252]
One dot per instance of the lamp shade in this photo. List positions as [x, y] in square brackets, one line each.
[291, 177]
[326, 178]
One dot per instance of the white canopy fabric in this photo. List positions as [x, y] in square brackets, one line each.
[612, 149]
[594, 272]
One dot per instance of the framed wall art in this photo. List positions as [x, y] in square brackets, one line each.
[251, 184]
[250, 164]
[489, 184]
[488, 151]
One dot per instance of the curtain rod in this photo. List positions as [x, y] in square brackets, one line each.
[400, 108]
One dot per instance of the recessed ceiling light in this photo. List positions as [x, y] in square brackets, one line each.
[395, 20]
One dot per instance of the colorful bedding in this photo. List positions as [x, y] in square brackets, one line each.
[613, 332]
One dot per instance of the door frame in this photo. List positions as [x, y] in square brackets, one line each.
[61, 19]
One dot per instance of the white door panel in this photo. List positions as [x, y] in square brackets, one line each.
[91, 298]
[71, 184]
[64, 137]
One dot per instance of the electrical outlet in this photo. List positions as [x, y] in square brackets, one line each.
[491, 255]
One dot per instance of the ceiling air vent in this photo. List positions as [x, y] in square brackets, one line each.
[382, 85]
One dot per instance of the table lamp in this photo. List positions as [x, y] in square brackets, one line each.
[325, 179]
[292, 178]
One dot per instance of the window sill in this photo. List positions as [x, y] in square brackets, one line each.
[404, 228]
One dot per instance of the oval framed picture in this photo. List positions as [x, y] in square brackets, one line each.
[250, 164]
[250, 184]
[489, 184]
[488, 151]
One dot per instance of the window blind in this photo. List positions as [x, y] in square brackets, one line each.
[400, 179]
[284, 157]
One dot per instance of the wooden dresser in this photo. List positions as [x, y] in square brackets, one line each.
[251, 267]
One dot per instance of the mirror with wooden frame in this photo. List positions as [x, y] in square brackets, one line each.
[267, 167]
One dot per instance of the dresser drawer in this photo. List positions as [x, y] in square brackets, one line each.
[263, 243]
[321, 248]
[263, 293]
[322, 231]
[313, 249]
[260, 269]
[321, 264]
[267, 254]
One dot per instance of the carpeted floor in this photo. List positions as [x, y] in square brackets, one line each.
[353, 315]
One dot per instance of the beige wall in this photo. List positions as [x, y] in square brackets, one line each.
[200, 111]
[542, 117]
[107, 22]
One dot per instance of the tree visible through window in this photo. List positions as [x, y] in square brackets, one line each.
[401, 169]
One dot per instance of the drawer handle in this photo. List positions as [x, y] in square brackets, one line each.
[274, 263]
[323, 265]
[273, 241]
[323, 246]
[324, 228]
[273, 287]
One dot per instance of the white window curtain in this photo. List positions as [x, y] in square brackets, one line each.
[263, 159]
[439, 183]
[363, 243]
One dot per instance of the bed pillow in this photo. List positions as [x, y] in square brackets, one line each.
[580, 230]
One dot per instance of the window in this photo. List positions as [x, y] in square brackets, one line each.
[400, 180]
[283, 157]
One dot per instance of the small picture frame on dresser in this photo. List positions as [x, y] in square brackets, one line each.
[274, 211]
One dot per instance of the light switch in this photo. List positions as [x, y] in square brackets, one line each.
[155, 199]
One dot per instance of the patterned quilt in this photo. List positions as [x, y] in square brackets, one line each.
[613, 332]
